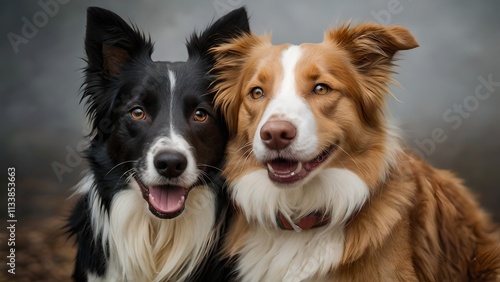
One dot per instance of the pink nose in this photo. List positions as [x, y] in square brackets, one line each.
[277, 134]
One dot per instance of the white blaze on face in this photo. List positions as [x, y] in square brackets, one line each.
[171, 78]
[287, 104]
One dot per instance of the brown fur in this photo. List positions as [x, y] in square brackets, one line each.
[425, 224]
[420, 223]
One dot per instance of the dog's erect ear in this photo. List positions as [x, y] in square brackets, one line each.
[372, 46]
[230, 26]
[110, 42]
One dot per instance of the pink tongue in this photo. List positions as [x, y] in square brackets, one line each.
[167, 199]
[283, 166]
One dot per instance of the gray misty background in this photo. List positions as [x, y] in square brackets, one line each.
[459, 43]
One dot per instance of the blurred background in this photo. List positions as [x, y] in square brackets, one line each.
[447, 104]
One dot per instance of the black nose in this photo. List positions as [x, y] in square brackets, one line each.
[170, 163]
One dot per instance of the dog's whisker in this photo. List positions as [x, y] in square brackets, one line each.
[244, 146]
[345, 152]
[204, 182]
[203, 179]
[122, 163]
[209, 166]
[242, 159]
[246, 159]
[131, 172]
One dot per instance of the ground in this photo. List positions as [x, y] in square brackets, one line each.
[42, 249]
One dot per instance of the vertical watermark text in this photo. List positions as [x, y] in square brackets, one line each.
[11, 220]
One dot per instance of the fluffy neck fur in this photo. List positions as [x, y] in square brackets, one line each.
[145, 248]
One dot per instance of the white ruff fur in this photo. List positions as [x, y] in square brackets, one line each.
[146, 248]
[271, 254]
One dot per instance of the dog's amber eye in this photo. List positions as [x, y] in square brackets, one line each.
[256, 93]
[321, 89]
[138, 113]
[200, 115]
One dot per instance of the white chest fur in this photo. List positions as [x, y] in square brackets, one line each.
[286, 255]
[145, 248]
[272, 254]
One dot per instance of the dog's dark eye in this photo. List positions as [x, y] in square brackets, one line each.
[138, 113]
[200, 115]
[256, 93]
[321, 89]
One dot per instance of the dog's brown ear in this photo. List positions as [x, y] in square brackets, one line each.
[228, 71]
[371, 49]
[372, 46]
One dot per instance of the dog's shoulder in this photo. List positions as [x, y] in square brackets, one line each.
[450, 231]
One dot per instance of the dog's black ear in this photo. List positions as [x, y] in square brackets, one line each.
[231, 25]
[110, 42]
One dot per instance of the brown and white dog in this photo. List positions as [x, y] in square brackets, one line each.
[322, 186]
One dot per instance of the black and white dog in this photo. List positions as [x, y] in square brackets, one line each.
[151, 207]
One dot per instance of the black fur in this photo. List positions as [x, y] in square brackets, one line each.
[119, 75]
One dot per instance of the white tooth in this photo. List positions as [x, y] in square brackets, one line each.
[298, 169]
[270, 168]
[183, 198]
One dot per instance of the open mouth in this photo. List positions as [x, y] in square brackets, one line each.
[165, 201]
[286, 171]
